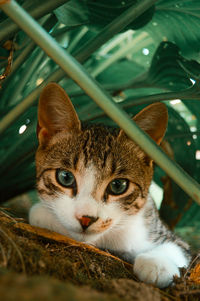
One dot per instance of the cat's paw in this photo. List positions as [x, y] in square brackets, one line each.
[158, 270]
[41, 217]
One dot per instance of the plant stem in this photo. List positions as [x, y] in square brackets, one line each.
[79, 36]
[25, 76]
[47, 23]
[37, 9]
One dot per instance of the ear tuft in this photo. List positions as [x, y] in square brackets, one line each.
[55, 113]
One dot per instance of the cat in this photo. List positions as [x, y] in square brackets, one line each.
[93, 184]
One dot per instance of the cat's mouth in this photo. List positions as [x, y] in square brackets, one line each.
[92, 232]
[99, 226]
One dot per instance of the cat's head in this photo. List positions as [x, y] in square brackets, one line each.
[92, 178]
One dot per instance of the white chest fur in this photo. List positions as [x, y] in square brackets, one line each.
[131, 237]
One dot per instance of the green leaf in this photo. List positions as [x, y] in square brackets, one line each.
[73, 13]
[98, 14]
[166, 71]
[183, 147]
[120, 72]
[192, 68]
[190, 232]
[177, 21]
[3, 54]
[103, 12]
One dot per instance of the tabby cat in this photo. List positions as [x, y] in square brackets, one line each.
[93, 184]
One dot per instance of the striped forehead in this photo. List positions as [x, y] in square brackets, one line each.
[97, 144]
[87, 180]
[91, 147]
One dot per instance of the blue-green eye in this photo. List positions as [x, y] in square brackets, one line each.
[65, 178]
[118, 186]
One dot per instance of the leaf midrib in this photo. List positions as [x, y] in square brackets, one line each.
[178, 10]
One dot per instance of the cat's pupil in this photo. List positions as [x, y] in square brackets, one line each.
[118, 186]
[65, 178]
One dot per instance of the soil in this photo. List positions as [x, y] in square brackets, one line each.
[37, 264]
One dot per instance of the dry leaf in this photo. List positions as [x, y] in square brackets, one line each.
[195, 274]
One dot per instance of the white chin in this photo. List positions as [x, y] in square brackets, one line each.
[84, 237]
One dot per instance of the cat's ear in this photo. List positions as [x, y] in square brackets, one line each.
[55, 113]
[153, 120]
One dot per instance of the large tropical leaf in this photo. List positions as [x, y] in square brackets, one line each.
[73, 13]
[166, 71]
[98, 14]
[177, 21]
[102, 12]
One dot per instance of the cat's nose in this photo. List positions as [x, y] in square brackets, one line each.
[86, 221]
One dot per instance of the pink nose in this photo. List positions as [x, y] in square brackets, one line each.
[86, 221]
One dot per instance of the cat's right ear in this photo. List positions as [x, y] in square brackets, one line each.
[153, 120]
[55, 113]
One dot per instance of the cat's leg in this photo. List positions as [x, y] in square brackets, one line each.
[159, 265]
[42, 217]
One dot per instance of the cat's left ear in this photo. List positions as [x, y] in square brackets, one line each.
[153, 120]
[56, 113]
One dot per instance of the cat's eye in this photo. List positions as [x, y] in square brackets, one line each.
[65, 178]
[118, 186]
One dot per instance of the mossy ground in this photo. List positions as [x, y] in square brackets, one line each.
[38, 264]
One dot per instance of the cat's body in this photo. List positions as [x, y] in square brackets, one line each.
[93, 183]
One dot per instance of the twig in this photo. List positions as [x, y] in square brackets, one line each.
[9, 64]
[167, 295]
[5, 262]
[16, 248]
[191, 264]
[2, 210]
[85, 265]
[190, 292]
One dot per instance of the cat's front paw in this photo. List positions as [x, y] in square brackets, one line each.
[41, 217]
[158, 270]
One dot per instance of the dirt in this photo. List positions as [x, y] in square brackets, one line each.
[38, 264]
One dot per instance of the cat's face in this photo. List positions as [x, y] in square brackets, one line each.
[93, 179]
